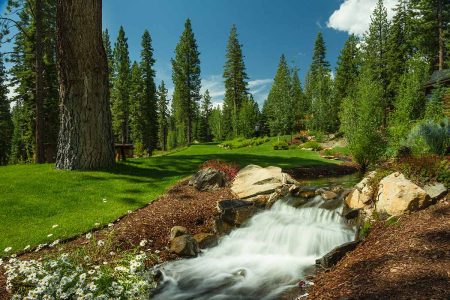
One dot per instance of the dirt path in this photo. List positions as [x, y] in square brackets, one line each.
[406, 260]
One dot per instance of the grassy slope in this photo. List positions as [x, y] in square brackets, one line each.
[35, 197]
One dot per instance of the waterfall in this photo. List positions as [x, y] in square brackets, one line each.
[271, 254]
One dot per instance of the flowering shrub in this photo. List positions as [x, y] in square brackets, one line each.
[228, 168]
[64, 278]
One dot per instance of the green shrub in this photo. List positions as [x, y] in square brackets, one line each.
[365, 229]
[139, 150]
[337, 151]
[281, 145]
[430, 137]
[315, 146]
[243, 142]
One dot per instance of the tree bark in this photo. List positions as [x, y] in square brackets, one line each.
[85, 137]
[39, 93]
[441, 35]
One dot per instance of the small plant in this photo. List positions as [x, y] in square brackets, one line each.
[365, 229]
[315, 146]
[430, 137]
[280, 145]
[228, 168]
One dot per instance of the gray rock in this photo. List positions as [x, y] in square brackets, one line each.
[236, 212]
[334, 256]
[206, 240]
[221, 227]
[207, 180]
[177, 231]
[436, 191]
[184, 245]
[331, 204]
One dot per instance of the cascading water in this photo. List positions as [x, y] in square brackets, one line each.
[259, 261]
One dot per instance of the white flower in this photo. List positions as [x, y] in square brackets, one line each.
[7, 249]
[112, 253]
[129, 212]
[121, 269]
[110, 224]
[1, 261]
[50, 235]
[82, 277]
[100, 243]
[54, 226]
[91, 272]
[143, 243]
[89, 235]
[26, 248]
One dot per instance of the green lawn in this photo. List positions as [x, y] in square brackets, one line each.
[33, 198]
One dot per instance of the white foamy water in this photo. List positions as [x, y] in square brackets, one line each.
[259, 261]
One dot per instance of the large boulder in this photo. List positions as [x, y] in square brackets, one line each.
[334, 256]
[184, 245]
[397, 195]
[236, 212]
[177, 231]
[253, 181]
[207, 180]
[362, 194]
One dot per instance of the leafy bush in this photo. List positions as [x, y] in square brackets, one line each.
[430, 137]
[315, 146]
[228, 168]
[139, 150]
[280, 145]
[242, 142]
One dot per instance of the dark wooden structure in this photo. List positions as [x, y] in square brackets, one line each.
[123, 151]
[440, 78]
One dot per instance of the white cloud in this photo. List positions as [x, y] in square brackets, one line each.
[259, 88]
[353, 16]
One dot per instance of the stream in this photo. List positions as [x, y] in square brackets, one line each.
[276, 249]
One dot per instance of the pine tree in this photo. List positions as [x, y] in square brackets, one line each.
[235, 84]
[163, 116]
[300, 105]
[109, 55]
[248, 117]
[318, 67]
[347, 70]
[136, 84]
[6, 124]
[400, 46]
[279, 110]
[120, 106]
[187, 83]
[149, 107]
[433, 28]
[375, 54]
[205, 115]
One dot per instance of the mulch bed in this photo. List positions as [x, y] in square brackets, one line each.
[406, 260]
[182, 205]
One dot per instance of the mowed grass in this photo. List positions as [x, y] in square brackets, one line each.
[33, 198]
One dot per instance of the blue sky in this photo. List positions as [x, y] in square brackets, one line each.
[267, 29]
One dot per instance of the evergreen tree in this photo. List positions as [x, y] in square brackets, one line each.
[187, 83]
[409, 103]
[137, 129]
[432, 29]
[375, 54]
[235, 84]
[120, 105]
[347, 70]
[400, 46]
[324, 110]
[300, 105]
[6, 124]
[216, 124]
[279, 112]
[109, 55]
[149, 105]
[205, 131]
[163, 116]
[248, 117]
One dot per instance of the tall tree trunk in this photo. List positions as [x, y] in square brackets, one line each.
[85, 137]
[39, 93]
[441, 35]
